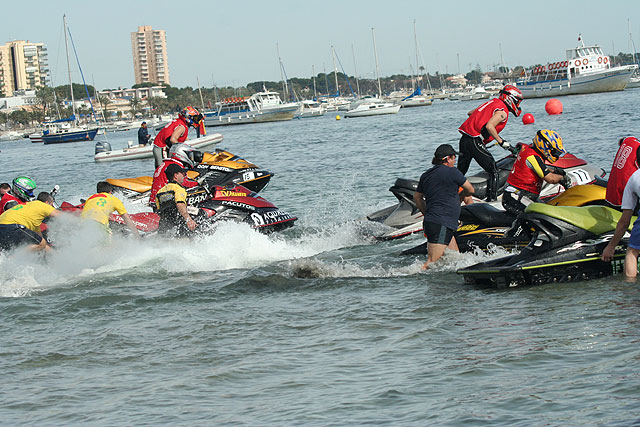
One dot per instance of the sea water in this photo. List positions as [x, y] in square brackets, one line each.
[320, 324]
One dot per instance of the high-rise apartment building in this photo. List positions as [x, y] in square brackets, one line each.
[150, 64]
[23, 66]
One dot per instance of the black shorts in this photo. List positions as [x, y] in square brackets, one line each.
[437, 233]
[13, 235]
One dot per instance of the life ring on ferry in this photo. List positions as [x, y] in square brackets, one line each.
[599, 59]
[577, 63]
[585, 61]
[606, 59]
[565, 64]
[557, 65]
[550, 66]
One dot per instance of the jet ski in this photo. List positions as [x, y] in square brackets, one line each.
[218, 168]
[482, 225]
[405, 218]
[566, 246]
[209, 204]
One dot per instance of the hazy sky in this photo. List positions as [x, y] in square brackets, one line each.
[234, 42]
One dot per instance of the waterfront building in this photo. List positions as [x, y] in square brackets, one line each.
[23, 66]
[150, 63]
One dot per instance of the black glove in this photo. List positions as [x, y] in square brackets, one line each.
[565, 181]
[504, 144]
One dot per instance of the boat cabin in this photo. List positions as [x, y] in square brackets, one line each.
[587, 59]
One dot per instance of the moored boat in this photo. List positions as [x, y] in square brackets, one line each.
[372, 107]
[586, 69]
[265, 106]
[104, 153]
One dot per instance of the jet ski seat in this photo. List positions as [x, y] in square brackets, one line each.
[486, 214]
[596, 219]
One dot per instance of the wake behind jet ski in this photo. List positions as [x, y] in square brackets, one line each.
[566, 246]
[405, 218]
[218, 168]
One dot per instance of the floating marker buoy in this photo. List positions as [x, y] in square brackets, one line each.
[528, 119]
[337, 117]
[553, 106]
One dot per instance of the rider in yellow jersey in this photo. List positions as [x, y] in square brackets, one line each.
[99, 206]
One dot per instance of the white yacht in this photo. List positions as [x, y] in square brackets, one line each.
[265, 106]
[586, 69]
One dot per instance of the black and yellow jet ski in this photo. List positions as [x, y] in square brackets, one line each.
[219, 168]
[566, 246]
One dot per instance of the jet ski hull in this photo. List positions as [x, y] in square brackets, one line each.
[566, 246]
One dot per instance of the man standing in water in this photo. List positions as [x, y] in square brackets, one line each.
[438, 198]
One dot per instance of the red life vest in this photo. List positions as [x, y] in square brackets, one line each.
[474, 125]
[522, 176]
[624, 165]
[160, 179]
[165, 134]
[8, 198]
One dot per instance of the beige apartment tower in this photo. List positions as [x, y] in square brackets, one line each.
[23, 66]
[150, 64]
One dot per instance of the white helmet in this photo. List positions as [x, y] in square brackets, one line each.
[186, 154]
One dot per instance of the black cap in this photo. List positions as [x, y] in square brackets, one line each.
[173, 169]
[444, 150]
[143, 123]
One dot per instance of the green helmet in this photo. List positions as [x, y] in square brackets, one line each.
[23, 188]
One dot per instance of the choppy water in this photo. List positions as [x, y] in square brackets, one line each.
[319, 325]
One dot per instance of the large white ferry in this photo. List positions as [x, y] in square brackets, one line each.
[263, 106]
[586, 69]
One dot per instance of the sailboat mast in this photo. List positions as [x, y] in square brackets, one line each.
[355, 70]
[633, 46]
[375, 51]
[415, 41]
[315, 92]
[335, 70]
[66, 47]
[285, 88]
[200, 91]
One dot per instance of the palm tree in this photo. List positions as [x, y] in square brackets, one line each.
[135, 106]
[104, 104]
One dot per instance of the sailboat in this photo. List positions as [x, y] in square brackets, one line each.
[370, 106]
[416, 98]
[67, 130]
[634, 80]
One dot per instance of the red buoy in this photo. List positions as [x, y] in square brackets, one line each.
[528, 119]
[553, 106]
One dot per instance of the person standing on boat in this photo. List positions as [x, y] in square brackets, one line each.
[143, 134]
[438, 198]
[183, 155]
[175, 132]
[529, 171]
[626, 162]
[483, 126]
[630, 199]
[171, 204]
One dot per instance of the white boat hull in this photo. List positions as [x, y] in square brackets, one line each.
[146, 151]
[247, 117]
[417, 101]
[365, 110]
[612, 79]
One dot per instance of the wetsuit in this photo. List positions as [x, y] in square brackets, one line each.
[525, 180]
[475, 138]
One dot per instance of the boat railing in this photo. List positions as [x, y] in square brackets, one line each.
[538, 74]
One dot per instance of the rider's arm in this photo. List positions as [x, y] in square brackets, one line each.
[621, 228]
[498, 117]
[182, 208]
[177, 133]
[129, 223]
[419, 199]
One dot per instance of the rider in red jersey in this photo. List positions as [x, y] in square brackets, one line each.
[626, 162]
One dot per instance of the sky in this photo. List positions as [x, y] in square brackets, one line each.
[236, 42]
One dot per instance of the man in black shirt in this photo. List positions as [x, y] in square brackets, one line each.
[438, 197]
[143, 134]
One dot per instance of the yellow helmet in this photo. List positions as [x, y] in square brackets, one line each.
[549, 144]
